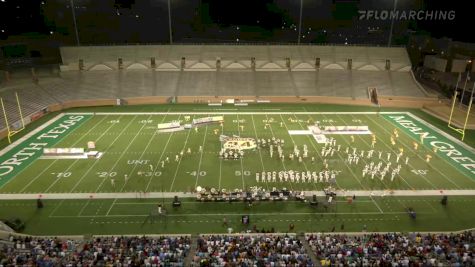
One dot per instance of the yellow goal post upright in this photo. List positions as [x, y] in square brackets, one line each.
[9, 130]
[459, 130]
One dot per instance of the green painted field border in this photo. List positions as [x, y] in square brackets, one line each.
[440, 136]
[10, 151]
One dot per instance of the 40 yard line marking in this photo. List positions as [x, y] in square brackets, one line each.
[201, 157]
[179, 161]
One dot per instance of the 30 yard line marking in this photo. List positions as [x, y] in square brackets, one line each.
[95, 162]
[159, 159]
[201, 157]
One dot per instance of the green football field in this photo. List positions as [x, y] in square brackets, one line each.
[132, 147]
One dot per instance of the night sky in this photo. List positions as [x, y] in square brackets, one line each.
[198, 21]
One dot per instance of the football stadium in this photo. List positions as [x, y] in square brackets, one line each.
[317, 133]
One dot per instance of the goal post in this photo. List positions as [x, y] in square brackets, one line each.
[459, 130]
[11, 132]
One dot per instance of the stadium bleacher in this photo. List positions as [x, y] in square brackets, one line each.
[364, 249]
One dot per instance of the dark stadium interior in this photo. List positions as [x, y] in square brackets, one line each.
[208, 133]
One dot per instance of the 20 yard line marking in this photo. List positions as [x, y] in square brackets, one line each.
[94, 164]
[122, 154]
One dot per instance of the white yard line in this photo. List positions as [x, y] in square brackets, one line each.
[242, 168]
[70, 165]
[30, 134]
[409, 148]
[283, 163]
[376, 204]
[122, 154]
[234, 113]
[170, 195]
[179, 161]
[95, 162]
[259, 149]
[342, 159]
[293, 141]
[385, 161]
[220, 162]
[201, 157]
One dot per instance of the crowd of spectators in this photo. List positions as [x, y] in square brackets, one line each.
[251, 250]
[394, 249]
[109, 251]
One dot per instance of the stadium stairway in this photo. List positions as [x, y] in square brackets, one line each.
[193, 247]
[309, 250]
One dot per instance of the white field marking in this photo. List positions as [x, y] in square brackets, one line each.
[222, 202]
[122, 154]
[170, 195]
[201, 157]
[56, 208]
[242, 168]
[376, 204]
[448, 136]
[234, 113]
[142, 154]
[237, 214]
[343, 161]
[220, 163]
[26, 167]
[364, 160]
[179, 160]
[305, 165]
[451, 138]
[135, 166]
[432, 166]
[95, 162]
[84, 207]
[260, 154]
[110, 208]
[30, 134]
[283, 163]
[159, 159]
[385, 161]
[70, 165]
[311, 142]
